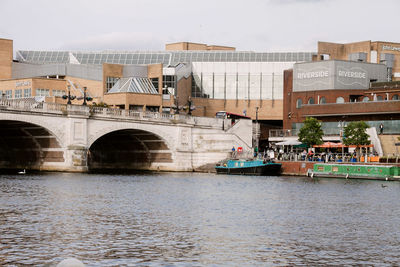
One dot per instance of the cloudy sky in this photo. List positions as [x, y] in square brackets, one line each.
[249, 25]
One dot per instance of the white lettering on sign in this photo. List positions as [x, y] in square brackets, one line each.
[389, 47]
[352, 74]
[312, 74]
[23, 83]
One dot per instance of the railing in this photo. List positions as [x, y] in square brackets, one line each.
[30, 105]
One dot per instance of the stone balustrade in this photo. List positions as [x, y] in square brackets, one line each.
[30, 105]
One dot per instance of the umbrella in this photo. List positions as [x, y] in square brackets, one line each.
[288, 143]
[330, 145]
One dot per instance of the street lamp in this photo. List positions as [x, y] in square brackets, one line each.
[341, 125]
[85, 97]
[69, 96]
[257, 127]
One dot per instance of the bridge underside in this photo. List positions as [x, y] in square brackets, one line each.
[27, 146]
[128, 149]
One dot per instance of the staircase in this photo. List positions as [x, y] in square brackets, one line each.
[388, 141]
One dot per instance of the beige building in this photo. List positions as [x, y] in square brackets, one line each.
[196, 46]
[207, 78]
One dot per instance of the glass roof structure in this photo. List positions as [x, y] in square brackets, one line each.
[133, 85]
[170, 58]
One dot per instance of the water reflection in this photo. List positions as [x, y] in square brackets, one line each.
[196, 219]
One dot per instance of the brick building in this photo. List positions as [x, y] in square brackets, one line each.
[336, 91]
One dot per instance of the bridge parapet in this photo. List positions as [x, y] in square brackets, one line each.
[30, 105]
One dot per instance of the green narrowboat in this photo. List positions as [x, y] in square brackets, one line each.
[356, 171]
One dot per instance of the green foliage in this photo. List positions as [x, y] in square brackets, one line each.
[355, 133]
[101, 104]
[311, 133]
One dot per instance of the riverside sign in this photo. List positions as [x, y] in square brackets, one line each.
[325, 73]
[336, 74]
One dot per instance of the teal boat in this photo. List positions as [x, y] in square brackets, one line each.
[248, 167]
[357, 171]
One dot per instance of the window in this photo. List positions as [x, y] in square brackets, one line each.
[395, 97]
[322, 100]
[365, 99]
[310, 100]
[18, 93]
[27, 92]
[299, 103]
[340, 100]
[8, 94]
[379, 98]
[169, 81]
[42, 92]
[58, 92]
[154, 81]
[110, 82]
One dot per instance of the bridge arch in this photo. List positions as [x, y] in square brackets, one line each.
[27, 145]
[128, 147]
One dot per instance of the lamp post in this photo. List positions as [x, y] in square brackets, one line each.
[69, 96]
[341, 125]
[84, 96]
[257, 127]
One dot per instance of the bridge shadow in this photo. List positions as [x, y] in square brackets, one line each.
[27, 146]
[128, 149]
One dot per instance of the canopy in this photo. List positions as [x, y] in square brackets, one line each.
[330, 145]
[288, 143]
[337, 145]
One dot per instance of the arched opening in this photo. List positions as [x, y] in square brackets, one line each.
[339, 100]
[128, 149]
[322, 100]
[27, 146]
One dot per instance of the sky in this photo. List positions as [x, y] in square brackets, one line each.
[250, 25]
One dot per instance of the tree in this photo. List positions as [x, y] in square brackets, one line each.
[355, 133]
[311, 133]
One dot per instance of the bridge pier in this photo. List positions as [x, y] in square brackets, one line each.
[76, 158]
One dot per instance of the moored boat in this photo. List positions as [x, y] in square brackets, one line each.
[356, 171]
[248, 167]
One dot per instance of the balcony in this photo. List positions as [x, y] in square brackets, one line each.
[351, 108]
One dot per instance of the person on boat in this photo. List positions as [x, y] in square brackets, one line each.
[233, 152]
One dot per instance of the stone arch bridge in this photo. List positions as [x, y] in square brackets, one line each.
[48, 136]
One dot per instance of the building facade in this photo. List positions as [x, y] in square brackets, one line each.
[213, 78]
[387, 53]
[340, 91]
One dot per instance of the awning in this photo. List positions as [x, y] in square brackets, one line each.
[330, 145]
[288, 143]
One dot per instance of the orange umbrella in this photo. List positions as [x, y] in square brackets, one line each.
[330, 145]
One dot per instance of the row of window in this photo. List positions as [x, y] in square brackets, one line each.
[23, 93]
[339, 100]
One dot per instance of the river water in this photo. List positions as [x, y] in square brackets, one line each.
[192, 219]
